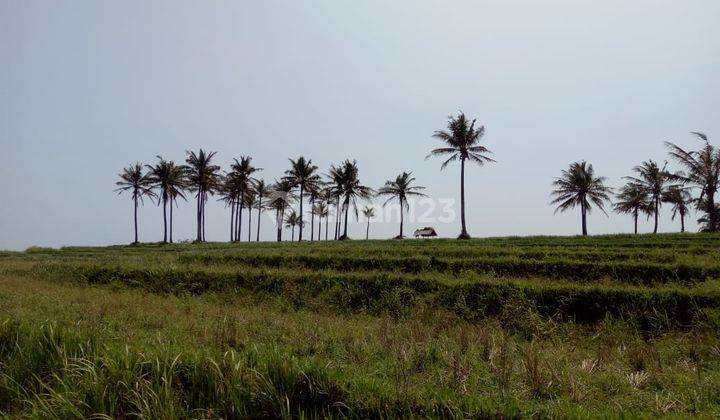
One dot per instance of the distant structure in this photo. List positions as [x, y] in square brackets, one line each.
[426, 232]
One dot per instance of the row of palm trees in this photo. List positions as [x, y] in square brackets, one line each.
[649, 188]
[239, 188]
[339, 190]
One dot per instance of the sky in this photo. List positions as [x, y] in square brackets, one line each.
[88, 87]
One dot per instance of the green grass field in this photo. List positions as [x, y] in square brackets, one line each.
[609, 326]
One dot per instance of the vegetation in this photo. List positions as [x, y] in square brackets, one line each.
[634, 200]
[132, 179]
[579, 187]
[462, 142]
[401, 189]
[701, 170]
[603, 326]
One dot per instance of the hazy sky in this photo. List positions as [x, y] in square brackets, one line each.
[88, 87]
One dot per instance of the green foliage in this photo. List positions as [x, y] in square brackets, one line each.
[502, 327]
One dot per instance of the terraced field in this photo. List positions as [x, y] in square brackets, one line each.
[513, 327]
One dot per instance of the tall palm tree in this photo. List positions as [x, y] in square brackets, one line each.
[302, 174]
[261, 191]
[334, 192]
[633, 200]
[292, 220]
[352, 190]
[279, 200]
[462, 141]
[170, 180]
[369, 213]
[652, 179]
[401, 188]
[322, 212]
[177, 184]
[241, 173]
[133, 179]
[680, 199]
[702, 171]
[578, 186]
[204, 179]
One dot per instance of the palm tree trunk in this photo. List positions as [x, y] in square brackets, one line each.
[301, 213]
[292, 234]
[259, 217]
[239, 229]
[327, 218]
[249, 223]
[280, 222]
[203, 216]
[135, 200]
[682, 223]
[367, 231]
[232, 220]
[463, 233]
[337, 218]
[279, 225]
[172, 200]
[319, 227]
[198, 238]
[401, 219]
[345, 209]
[584, 218]
[312, 218]
[164, 200]
[635, 216]
[657, 211]
[712, 213]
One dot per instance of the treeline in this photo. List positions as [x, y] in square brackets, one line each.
[649, 188]
[332, 196]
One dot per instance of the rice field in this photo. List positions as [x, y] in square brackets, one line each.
[605, 326]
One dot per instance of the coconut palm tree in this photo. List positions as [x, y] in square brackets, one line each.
[369, 213]
[334, 192]
[352, 190]
[204, 179]
[321, 210]
[680, 199]
[633, 200]
[177, 184]
[652, 179]
[292, 220]
[578, 186]
[280, 199]
[302, 174]
[261, 191]
[241, 172]
[133, 179]
[702, 171]
[401, 188]
[170, 180]
[462, 141]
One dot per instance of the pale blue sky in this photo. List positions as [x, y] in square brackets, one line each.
[87, 87]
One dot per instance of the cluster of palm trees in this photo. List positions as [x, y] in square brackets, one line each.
[336, 193]
[241, 190]
[649, 188]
